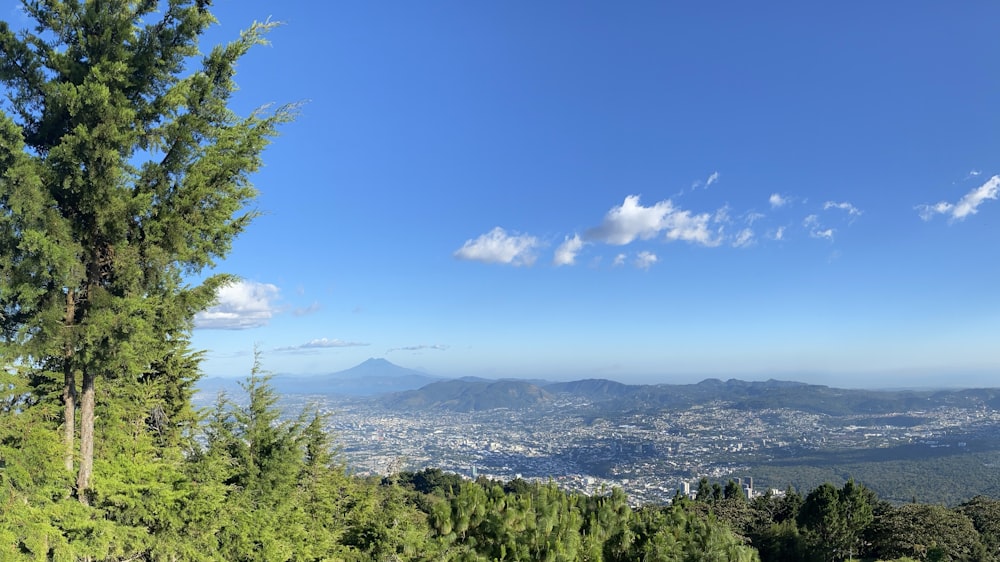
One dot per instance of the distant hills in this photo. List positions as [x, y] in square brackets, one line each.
[408, 389]
[471, 395]
[771, 394]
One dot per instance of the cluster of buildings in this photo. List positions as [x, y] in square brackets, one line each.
[652, 456]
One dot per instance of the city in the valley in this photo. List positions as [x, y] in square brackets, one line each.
[657, 441]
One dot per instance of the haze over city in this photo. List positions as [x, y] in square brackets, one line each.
[648, 192]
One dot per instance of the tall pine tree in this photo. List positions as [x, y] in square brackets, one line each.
[122, 170]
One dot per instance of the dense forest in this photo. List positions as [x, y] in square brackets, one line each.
[121, 179]
[242, 484]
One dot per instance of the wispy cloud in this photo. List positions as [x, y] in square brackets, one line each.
[779, 233]
[815, 229]
[776, 200]
[619, 260]
[630, 221]
[744, 239]
[240, 306]
[497, 246]
[927, 212]
[844, 206]
[567, 251]
[321, 343]
[645, 259]
[712, 178]
[967, 205]
[307, 310]
[437, 347]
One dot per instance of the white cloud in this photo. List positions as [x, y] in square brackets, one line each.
[967, 205]
[974, 173]
[644, 259]
[691, 228]
[776, 200]
[625, 223]
[240, 306]
[744, 238]
[713, 178]
[322, 343]
[752, 217]
[567, 251]
[496, 246]
[631, 220]
[815, 229]
[927, 212]
[844, 206]
[437, 347]
[779, 234]
[619, 260]
[722, 215]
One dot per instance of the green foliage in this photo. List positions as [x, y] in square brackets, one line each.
[430, 481]
[927, 532]
[985, 516]
[834, 521]
[781, 542]
[530, 521]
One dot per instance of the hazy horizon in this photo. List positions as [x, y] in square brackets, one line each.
[928, 381]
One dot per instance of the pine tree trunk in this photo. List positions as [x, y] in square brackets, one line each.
[86, 437]
[69, 386]
[69, 416]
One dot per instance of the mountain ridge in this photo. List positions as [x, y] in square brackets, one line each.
[405, 388]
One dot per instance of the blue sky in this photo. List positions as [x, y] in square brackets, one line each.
[643, 191]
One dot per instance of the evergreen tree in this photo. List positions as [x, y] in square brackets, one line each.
[265, 458]
[121, 175]
[733, 491]
[704, 490]
[834, 523]
[822, 520]
[856, 505]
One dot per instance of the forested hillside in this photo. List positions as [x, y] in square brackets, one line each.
[243, 485]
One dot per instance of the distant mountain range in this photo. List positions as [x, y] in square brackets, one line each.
[402, 388]
[464, 395]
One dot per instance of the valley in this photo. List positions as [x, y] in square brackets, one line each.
[651, 440]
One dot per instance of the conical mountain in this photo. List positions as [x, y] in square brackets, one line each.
[370, 377]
